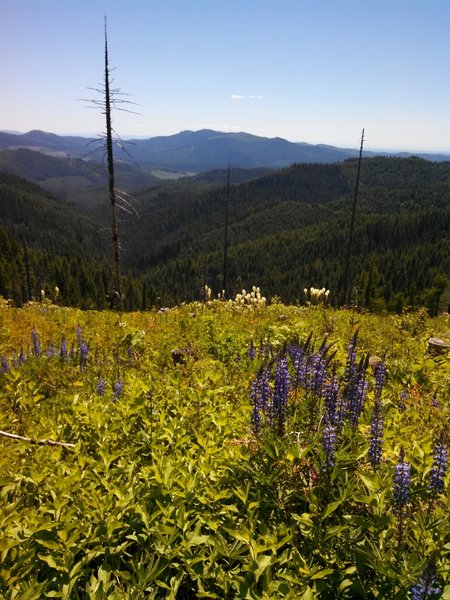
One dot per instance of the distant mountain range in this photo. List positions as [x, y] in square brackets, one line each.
[194, 151]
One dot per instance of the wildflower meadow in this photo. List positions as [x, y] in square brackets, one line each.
[225, 449]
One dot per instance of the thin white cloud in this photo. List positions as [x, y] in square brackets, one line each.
[251, 97]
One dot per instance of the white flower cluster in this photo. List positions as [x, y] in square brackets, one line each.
[242, 300]
[208, 294]
[316, 296]
[252, 298]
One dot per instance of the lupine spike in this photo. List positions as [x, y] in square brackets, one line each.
[118, 389]
[376, 435]
[329, 447]
[51, 350]
[280, 393]
[331, 400]
[402, 483]
[101, 386]
[426, 585]
[440, 462]
[84, 349]
[63, 349]
[402, 400]
[380, 378]
[5, 368]
[435, 400]
[36, 345]
[318, 373]
[257, 400]
[355, 397]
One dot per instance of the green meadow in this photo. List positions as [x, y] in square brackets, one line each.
[223, 450]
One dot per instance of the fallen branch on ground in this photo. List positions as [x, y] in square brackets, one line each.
[38, 442]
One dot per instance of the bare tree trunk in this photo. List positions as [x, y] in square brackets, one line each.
[352, 226]
[112, 196]
[225, 242]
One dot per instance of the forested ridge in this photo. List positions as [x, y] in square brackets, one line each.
[288, 230]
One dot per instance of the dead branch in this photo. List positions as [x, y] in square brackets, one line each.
[37, 442]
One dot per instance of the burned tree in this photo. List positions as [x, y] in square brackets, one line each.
[111, 183]
[225, 242]
[352, 226]
[112, 98]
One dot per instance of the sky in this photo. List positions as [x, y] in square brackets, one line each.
[315, 71]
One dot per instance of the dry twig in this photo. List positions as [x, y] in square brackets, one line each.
[38, 442]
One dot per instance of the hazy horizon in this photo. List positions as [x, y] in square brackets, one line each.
[145, 137]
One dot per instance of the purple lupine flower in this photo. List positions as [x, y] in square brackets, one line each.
[79, 333]
[376, 429]
[251, 351]
[63, 350]
[118, 389]
[302, 371]
[83, 354]
[318, 372]
[265, 392]
[260, 395]
[426, 584]
[355, 397]
[101, 386]
[402, 399]
[402, 483]
[435, 400]
[21, 358]
[355, 385]
[5, 368]
[329, 447]
[296, 356]
[440, 462]
[50, 351]
[376, 435]
[130, 355]
[36, 345]
[380, 377]
[331, 401]
[280, 393]
[341, 409]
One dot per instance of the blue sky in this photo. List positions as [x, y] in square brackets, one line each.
[316, 71]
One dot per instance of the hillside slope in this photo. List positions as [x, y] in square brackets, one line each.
[288, 230]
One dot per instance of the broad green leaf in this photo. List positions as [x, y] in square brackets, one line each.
[323, 573]
[47, 558]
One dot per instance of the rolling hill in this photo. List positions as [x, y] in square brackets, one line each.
[191, 151]
[288, 229]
